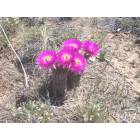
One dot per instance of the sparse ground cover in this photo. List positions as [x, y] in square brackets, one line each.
[108, 90]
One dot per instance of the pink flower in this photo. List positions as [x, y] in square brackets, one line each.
[46, 59]
[91, 48]
[64, 58]
[78, 63]
[72, 44]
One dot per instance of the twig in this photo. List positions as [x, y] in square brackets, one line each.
[10, 45]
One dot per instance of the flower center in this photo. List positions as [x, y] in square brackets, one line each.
[47, 58]
[73, 45]
[66, 57]
[77, 61]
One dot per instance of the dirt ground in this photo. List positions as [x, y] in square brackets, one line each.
[114, 82]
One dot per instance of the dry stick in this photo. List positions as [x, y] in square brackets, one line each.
[10, 45]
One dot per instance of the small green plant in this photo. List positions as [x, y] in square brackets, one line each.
[32, 111]
[100, 38]
[92, 113]
[102, 55]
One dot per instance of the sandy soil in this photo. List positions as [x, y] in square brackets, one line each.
[115, 83]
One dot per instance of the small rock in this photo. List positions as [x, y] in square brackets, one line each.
[136, 31]
[127, 48]
[124, 121]
[137, 41]
[137, 75]
[65, 18]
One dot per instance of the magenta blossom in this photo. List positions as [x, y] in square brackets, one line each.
[46, 59]
[91, 48]
[72, 44]
[64, 58]
[78, 63]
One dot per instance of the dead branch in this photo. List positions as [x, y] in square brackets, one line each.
[12, 48]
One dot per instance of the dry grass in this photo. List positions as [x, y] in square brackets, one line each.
[10, 84]
[106, 92]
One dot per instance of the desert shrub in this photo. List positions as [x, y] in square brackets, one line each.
[10, 24]
[29, 43]
[68, 33]
[52, 39]
[32, 21]
[128, 24]
[31, 35]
